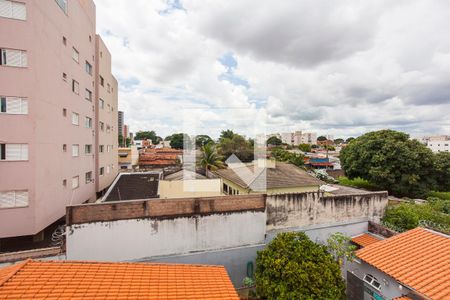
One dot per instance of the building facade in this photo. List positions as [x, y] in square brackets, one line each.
[48, 89]
[121, 116]
[439, 143]
[107, 165]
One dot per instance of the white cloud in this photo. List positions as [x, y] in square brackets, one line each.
[335, 67]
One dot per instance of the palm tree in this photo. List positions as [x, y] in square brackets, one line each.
[210, 160]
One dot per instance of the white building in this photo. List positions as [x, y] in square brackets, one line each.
[439, 143]
[309, 138]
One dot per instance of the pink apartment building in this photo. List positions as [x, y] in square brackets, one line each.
[58, 141]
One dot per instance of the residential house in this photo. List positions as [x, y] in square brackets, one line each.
[128, 157]
[413, 265]
[156, 158]
[275, 177]
[102, 280]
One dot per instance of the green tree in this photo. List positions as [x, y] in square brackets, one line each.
[226, 134]
[128, 142]
[406, 216]
[236, 145]
[305, 147]
[177, 140]
[390, 160]
[149, 135]
[120, 140]
[341, 247]
[321, 138]
[201, 140]
[274, 141]
[296, 159]
[442, 171]
[338, 141]
[294, 267]
[210, 160]
[349, 139]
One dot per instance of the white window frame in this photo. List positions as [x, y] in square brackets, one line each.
[101, 103]
[21, 61]
[101, 148]
[88, 122]
[75, 119]
[75, 182]
[75, 87]
[14, 199]
[13, 10]
[101, 172]
[88, 68]
[13, 105]
[370, 279]
[75, 55]
[14, 152]
[75, 150]
[88, 95]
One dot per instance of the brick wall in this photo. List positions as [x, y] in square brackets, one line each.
[163, 208]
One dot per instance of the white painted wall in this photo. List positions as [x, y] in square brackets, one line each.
[139, 238]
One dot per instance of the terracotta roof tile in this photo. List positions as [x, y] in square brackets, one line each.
[365, 239]
[418, 258]
[402, 298]
[94, 280]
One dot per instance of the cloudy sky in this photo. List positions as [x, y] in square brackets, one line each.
[333, 67]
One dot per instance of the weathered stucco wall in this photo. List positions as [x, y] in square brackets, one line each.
[306, 209]
[138, 238]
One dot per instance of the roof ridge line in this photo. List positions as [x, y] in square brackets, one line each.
[17, 268]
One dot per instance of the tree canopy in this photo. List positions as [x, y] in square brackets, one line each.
[321, 138]
[349, 139]
[338, 141]
[177, 140]
[226, 134]
[202, 139]
[209, 159]
[274, 141]
[305, 147]
[294, 267]
[296, 159]
[149, 135]
[237, 145]
[442, 171]
[390, 160]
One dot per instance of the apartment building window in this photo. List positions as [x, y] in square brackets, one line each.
[64, 148]
[88, 122]
[13, 10]
[75, 150]
[102, 81]
[101, 148]
[88, 68]
[108, 148]
[102, 126]
[14, 105]
[108, 128]
[75, 182]
[64, 182]
[75, 55]
[101, 103]
[108, 107]
[75, 119]
[64, 76]
[102, 171]
[75, 87]
[11, 152]
[64, 41]
[88, 95]
[87, 149]
[10, 199]
[108, 88]
[88, 177]
[13, 58]
[64, 112]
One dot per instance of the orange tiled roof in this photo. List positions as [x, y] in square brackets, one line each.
[365, 239]
[94, 280]
[418, 258]
[402, 298]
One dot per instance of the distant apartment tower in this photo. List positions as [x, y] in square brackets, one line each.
[120, 123]
[309, 138]
[55, 91]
